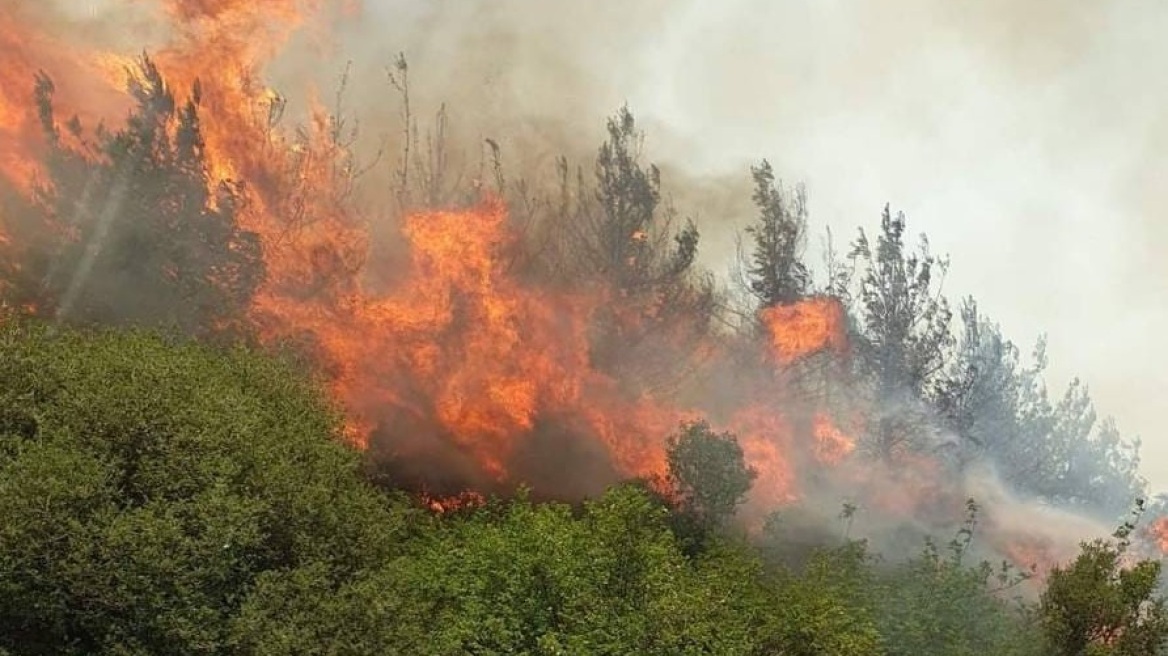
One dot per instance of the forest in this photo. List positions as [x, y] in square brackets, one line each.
[262, 396]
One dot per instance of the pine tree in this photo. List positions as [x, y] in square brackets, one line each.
[633, 235]
[905, 331]
[775, 274]
[148, 238]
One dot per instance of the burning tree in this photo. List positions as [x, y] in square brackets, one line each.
[134, 231]
[625, 238]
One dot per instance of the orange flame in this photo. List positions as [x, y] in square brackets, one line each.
[455, 503]
[805, 328]
[831, 444]
[1158, 531]
[1031, 555]
[29, 49]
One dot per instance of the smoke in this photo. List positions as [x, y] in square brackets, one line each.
[942, 108]
[1046, 526]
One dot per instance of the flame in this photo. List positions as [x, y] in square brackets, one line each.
[486, 354]
[455, 349]
[1032, 555]
[1158, 532]
[831, 444]
[768, 445]
[805, 328]
[455, 503]
[29, 49]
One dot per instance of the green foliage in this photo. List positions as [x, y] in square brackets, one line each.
[518, 578]
[535, 581]
[133, 233]
[823, 609]
[146, 485]
[1099, 605]
[709, 471]
[935, 603]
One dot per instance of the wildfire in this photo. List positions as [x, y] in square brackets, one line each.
[29, 49]
[456, 349]
[1032, 556]
[768, 444]
[453, 359]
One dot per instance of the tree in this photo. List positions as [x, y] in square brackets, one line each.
[619, 234]
[1000, 408]
[994, 403]
[1096, 469]
[905, 328]
[1098, 606]
[151, 240]
[709, 472]
[631, 240]
[147, 485]
[776, 274]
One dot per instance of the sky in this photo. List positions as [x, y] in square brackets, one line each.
[1028, 145]
[1027, 139]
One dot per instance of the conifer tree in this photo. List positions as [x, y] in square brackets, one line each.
[145, 236]
[776, 274]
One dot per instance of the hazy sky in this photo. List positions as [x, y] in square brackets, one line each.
[1028, 144]
[1028, 138]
